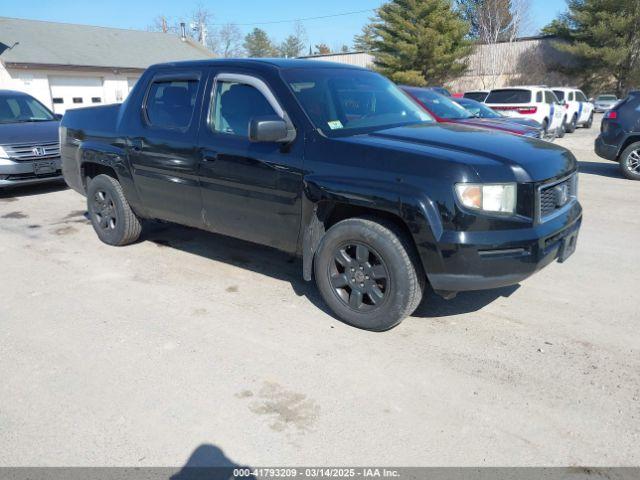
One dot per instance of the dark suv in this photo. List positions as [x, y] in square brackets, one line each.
[619, 138]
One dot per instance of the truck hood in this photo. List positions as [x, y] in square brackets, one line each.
[29, 132]
[495, 124]
[494, 155]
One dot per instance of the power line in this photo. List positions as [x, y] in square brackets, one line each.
[296, 19]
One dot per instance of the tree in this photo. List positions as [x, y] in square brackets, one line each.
[604, 38]
[365, 40]
[493, 22]
[483, 15]
[322, 49]
[258, 44]
[229, 41]
[293, 46]
[420, 41]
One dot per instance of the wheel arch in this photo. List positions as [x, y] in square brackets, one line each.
[326, 202]
[631, 139]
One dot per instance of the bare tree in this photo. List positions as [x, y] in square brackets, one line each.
[229, 41]
[497, 29]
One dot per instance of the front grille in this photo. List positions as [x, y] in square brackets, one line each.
[557, 196]
[32, 151]
[32, 176]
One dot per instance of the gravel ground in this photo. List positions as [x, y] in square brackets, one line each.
[188, 343]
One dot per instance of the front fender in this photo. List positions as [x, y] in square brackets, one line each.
[411, 205]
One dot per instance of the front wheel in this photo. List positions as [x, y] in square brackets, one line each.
[111, 216]
[368, 273]
[630, 161]
[561, 130]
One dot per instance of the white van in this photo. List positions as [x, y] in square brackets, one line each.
[578, 109]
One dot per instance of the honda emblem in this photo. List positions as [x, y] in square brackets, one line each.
[39, 151]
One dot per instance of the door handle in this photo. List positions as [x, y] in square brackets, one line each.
[137, 145]
[208, 156]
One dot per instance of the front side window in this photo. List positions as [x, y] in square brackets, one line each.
[549, 97]
[170, 104]
[560, 94]
[234, 105]
[341, 101]
[580, 97]
[22, 108]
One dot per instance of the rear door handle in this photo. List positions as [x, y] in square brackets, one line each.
[208, 156]
[137, 145]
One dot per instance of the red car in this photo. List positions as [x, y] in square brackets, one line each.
[445, 110]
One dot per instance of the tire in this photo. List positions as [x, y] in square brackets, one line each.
[545, 127]
[561, 130]
[630, 161]
[571, 127]
[589, 123]
[111, 216]
[373, 290]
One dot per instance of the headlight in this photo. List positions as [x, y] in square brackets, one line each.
[496, 198]
[3, 153]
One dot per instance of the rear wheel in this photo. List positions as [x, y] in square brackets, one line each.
[589, 123]
[561, 130]
[111, 216]
[630, 161]
[368, 273]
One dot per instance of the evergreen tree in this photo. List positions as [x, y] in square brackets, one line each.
[322, 49]
[604, 38]
[293, 45]
[364, 42]
[257, 44]
[420, 42]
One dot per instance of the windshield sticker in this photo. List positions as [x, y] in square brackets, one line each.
[335, 125]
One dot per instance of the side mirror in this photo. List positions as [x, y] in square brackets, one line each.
[57, 116]
[269, 128]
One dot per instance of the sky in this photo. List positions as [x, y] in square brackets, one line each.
[139, 14]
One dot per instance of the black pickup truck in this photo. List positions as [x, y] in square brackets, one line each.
[332, 163]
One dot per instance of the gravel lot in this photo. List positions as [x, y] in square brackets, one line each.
[188, 342]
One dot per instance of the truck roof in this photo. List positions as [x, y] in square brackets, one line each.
[278, 63]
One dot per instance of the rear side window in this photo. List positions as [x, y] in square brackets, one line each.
[170, 104]
[510, 95]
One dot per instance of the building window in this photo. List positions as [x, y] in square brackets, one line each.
[96, 100]
[57, 100]
[77, 99]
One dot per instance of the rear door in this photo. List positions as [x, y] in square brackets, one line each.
[163, 148]
[250, 190]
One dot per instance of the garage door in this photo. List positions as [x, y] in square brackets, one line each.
[74, 92]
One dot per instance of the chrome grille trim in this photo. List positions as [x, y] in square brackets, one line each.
[25, 151]
[546, 206]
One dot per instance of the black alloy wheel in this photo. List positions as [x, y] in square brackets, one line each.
[359, 277]
[104, 210]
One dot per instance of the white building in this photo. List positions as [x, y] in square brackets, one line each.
[358, 59]
[66, 66]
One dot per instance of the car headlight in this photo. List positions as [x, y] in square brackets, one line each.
[492, 198]
[3, 153]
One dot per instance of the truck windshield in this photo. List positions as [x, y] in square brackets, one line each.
[346, 101]
[22, 108]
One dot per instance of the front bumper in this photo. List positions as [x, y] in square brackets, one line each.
[13, 173]
[603, 150]
[494, 259]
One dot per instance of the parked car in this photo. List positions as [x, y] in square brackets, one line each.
[29, 147]
[578, 110]
[477, 95]
[480, 110]
[603, 103]
[440, 90]
[330, 162]
[447, 110]
[619, 138]
[536, 103]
